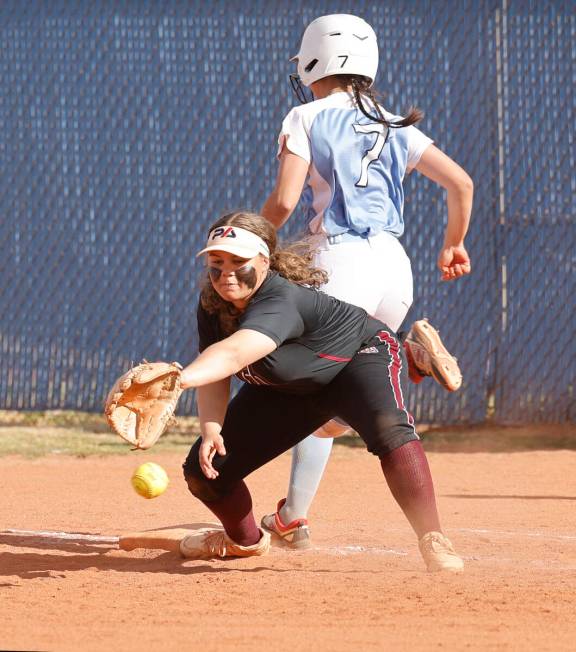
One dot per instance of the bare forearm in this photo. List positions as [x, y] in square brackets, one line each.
[212, 401]
[286, 194]
[213, 364]
[223, 359]
[435, 165]
[459, 202]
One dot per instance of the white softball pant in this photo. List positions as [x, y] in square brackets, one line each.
[375, 274]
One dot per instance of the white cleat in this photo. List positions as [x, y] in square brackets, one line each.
[431, 357]
[216, 544]
[438, 553]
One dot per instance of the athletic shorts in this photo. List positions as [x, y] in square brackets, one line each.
[261, 422]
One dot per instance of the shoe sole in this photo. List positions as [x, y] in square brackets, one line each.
[427, 336]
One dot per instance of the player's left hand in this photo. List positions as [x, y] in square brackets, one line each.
[141, 404]
[210, 446]
[454, 262]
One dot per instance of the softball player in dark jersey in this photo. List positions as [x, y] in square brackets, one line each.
[305, 358]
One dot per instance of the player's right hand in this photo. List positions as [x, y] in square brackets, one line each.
[211, 445]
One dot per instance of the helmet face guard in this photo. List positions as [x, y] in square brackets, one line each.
[338, 44]
[299, 89]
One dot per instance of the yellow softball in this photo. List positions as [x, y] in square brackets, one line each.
[150, 480]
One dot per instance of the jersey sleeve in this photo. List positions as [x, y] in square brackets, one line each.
[208, 331]
[276, 317]
[294, 135]
[417, 143]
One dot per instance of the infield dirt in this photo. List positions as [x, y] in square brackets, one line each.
[362, 586]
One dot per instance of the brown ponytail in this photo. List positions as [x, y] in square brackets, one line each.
[361, 87]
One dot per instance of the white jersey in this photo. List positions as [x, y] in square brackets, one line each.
[356, 166]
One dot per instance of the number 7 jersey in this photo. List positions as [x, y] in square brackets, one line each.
[356, 168]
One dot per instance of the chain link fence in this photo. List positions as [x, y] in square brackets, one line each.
[128, 127]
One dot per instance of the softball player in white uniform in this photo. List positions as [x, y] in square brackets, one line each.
[349, 157]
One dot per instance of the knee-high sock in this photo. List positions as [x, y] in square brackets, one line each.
[408, 476]
[235, 512]
[309, 459]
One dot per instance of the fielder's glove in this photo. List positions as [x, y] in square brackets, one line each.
[142, 402]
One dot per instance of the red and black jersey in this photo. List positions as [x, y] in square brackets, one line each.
[316, 335]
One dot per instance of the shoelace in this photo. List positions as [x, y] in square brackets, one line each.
[215, 543]
[442, 545]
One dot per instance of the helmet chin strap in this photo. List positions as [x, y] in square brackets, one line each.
[303, 94]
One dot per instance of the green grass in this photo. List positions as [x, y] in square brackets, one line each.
[80, 434]
[39, 441]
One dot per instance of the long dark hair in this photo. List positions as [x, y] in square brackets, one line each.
[361, 87]
[294, 262]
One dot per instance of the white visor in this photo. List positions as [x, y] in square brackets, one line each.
[240, 242]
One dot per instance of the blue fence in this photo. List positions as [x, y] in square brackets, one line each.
[126, 128]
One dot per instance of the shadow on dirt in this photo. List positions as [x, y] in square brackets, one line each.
[29, 566]
[93, 551]
[507, 497]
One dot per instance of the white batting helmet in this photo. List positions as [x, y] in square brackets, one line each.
[338, 44]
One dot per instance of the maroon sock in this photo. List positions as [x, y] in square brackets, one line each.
[408, 476]
[235, 512]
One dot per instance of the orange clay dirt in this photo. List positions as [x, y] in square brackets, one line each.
[512, 516]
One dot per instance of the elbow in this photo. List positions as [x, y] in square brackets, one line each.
[278, 209]
[466, 185]
[285, 205]
[461, 185]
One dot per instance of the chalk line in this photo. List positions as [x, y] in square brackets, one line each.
[65, 536]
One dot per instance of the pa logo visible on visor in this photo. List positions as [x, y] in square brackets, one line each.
[223, 232]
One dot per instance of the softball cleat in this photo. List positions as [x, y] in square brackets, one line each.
[216, 544]
[295, 535]
[438, 553]
[430, 357]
